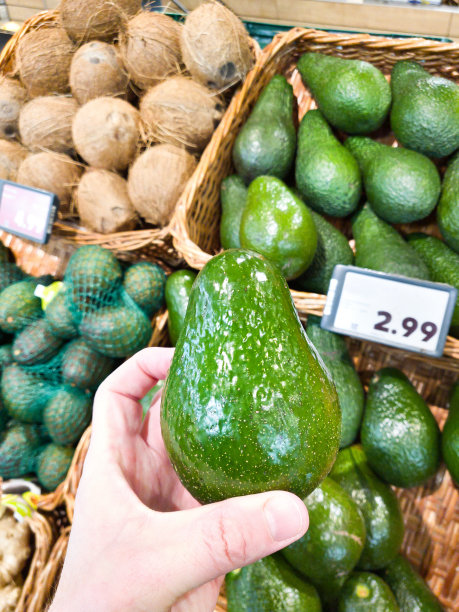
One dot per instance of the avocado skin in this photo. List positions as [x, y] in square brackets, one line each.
[178, 288]
[270, 585]
[377, 503]
[326, 174]
[267, 141]
[331, 547]
[333, 350]
[402, 186]
[233, 197]
[19, 306]
[248, 405]
[36, 344]
[425, 110]
[410, 590]
[353, 95]
[399, 434]
[450, 436]
[277, 224]
[448, 207]
[379, 597]
[380, 247]
[332, 249]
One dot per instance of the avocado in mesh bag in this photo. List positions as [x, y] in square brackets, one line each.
[25, 393]
[19, 306]
[145, 283]
[67, 414]
[59, 317]
[36, 343]
[83, 367]
[18, 449]
[6, 356]
[52, 465]
[10, 273]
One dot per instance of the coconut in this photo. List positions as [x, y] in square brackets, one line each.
[46, 123]
[150, 48]
[97, 71]
[156, 180]
[52, 172]
[86, 20]
[106, 133]
[215, 46]
[12, 97]
[43, 60]
[181, 112]
[103, 202]
[11, 156]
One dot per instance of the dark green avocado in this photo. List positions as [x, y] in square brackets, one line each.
[366, 592]
[178, 289]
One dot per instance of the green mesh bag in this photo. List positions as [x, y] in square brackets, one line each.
[144, 283]
[83, 367]
[59, 317]
[25, 393]
[10, 273]
[19, 306]
[36, 343]
[67, 414]
[52, 465]
[18, 447]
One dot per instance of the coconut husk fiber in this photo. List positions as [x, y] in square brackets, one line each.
[53, 172]
[103, 202]
[106, 133]
[150, 48]
[45, 123]
[12, 97]
[11, 156]
[96, 71]
[86, 20]
[215, 46]
[156, 180]
[43, 60]
[182, 112]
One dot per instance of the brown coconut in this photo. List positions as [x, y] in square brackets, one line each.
[215, 46]
[12, 97]
[182, 112]
[156, 180]
[11, 156]
[150, 48]
[43, 59]
[96, 71]
[86, 20]
[45, 123]
[53, 172]
[103, 202]
[106, 133]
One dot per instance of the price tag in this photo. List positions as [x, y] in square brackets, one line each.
[407, 313]
[27, 212]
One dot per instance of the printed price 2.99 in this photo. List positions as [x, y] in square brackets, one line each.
[409, 324]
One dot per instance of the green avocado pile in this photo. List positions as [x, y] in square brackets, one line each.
[55, 353]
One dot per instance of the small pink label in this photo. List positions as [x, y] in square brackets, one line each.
[24, 211]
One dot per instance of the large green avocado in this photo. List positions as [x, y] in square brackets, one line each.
[332, 546]
[366, 592]
[178, 289]
[248, 405]
[450, 436]
[270, 585]
[448, 207]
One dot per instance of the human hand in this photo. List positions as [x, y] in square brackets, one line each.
[139, 541]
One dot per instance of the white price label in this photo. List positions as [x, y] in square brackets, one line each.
[402, 312]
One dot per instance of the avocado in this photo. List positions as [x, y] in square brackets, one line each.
[144, 282]
[178, 289]
[67, 414]
[10, 273]
[24, 393]
[399, 434]
[267, 141]
[277, 224]
[18, 447]
[331, 547]
[6, 356]
[332, 249]
[353, 95]
[19, 306]
[270, 585]
[377, 503]
[410, 590]
[450, 436]
[248, 405]
[442, 263]
[83, 367]
[233, 196]
[333, 350]
[378, 246]
[4, 417]
[425, 110]
[402, 186]
[53, 463]
[448, 207]
[366, 592]
[36, 344]
[327, 175]
[59, 317]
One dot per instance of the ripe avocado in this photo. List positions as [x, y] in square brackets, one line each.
[178, 289]
[36, 343]
[144, 282]
[59, 317]
[366, 592]
[448, 207]
[233, 196]
[83, 367]
[450, 436]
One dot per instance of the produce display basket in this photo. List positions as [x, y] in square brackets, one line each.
[197, 217]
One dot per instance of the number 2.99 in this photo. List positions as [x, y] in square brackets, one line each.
[409, 324]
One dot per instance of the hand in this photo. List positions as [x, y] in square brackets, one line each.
[139, 541]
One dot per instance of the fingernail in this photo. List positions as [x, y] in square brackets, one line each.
[285, 517]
